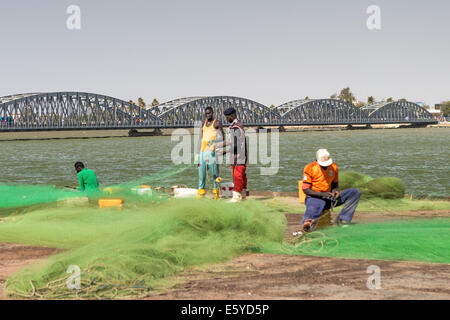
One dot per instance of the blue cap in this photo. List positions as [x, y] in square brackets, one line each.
[229, 111]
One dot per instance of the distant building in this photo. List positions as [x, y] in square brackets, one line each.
[437, 106]
[435, 111]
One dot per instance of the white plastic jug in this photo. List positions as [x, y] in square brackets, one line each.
[73, 202]
[185, 192]
[142, 191]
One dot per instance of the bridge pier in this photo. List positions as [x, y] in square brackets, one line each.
[135, 133]
[280, 129]
[351, 127]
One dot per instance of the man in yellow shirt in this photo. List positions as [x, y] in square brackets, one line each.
[212, 131]
[320, 184]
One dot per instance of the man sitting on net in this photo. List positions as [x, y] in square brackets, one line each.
[86, 177]
[320, 185]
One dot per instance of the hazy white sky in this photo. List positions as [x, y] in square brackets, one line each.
[268, 51]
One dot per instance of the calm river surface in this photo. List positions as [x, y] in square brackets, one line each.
[420, 157]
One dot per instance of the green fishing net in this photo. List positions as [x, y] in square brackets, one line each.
[384, 187]
[19, 198]
[418, 240]
[351, 179]
[130, 251]
[26, 195]
[134, 250]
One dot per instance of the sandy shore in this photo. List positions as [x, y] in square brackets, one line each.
[90, 134]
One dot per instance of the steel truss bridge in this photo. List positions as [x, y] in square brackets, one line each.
[85, 111]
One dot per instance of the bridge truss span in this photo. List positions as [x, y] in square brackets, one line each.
[398, 112]
[248, 111]
[66, 110]
[89, 111]
[321, 111]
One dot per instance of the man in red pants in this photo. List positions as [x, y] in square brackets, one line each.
[238, 155]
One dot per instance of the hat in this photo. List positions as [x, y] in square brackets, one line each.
[229, 111]
[323, 158]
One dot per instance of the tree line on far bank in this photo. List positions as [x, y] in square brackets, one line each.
[141, 103]
[344, 95]
[347, 96]
[445, 108]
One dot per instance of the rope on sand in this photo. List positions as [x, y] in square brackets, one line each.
[92, 285]
[308, 242]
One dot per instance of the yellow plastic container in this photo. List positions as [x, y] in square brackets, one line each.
[110, 203]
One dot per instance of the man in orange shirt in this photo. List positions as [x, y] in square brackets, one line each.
[320, 184]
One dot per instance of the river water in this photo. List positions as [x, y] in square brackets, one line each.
[420, 157]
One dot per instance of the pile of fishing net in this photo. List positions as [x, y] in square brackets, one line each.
[383, 187]
[131, 251]
[15, 198]
[135, 250]
[417, 240]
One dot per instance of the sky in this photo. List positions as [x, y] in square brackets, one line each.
[268, 51]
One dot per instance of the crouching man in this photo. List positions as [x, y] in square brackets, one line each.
[321, 187]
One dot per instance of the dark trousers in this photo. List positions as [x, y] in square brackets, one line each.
[349, 198]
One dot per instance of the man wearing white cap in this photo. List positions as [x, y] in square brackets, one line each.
[320, 184]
